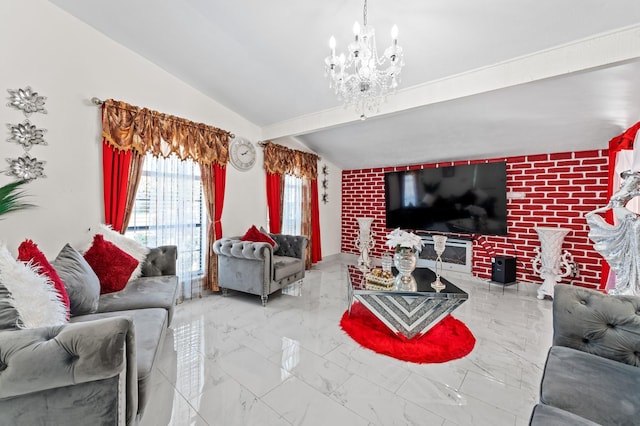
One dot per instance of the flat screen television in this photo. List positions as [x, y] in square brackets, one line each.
[464, 199]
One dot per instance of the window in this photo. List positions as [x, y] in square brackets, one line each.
[169, 210]
[292, 205]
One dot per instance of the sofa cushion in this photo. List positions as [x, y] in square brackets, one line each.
[254, 234]
[276, 246]
[286, 266]
[9, 316]
[545, 415]
[112, 265]
[593, 387]
[150, 327]
[145, 292]
[597, 323]
[128, 245]
[28, 251]
[37, 302]
[81, 282]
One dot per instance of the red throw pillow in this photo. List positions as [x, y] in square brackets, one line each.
[254, 234]
[112, 265]
[28, 251]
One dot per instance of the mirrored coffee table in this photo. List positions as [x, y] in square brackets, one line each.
[410, 313]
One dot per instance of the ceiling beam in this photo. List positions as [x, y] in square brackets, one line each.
[602, 50]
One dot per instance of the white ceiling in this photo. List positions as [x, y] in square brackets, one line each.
[482, 78]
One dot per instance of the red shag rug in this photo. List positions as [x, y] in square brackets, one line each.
[449, 339]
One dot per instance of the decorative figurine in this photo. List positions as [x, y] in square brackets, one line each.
[619, 244]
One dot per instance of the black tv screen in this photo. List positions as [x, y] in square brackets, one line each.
[465, 199]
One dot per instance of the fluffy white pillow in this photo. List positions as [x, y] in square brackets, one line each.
[34, 296]
[128, 245]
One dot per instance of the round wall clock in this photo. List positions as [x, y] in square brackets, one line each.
[242, 153]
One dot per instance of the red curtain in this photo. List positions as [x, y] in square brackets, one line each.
[617, 144]
[213, 183]
[274, 202]
[115, 166]
[316, 249]
[220, 179]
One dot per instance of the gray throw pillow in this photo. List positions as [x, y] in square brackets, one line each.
[264, 231]
[81, 282]
[9, 316]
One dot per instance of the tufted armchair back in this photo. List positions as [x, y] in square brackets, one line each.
[160, 261]
[290, 245]
[600, 324]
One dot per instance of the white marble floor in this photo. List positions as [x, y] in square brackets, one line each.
[229, 361]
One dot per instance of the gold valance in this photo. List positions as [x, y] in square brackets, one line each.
[127, 127]
[281, 160]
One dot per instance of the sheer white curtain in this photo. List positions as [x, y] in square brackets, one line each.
[292, 205]
[169, 210]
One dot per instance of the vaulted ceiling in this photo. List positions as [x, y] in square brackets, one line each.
[482, 79]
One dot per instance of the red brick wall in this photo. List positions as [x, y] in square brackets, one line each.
[559, 189]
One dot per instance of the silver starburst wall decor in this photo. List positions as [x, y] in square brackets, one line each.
[27, 101]
[26, 167]
[26, 134]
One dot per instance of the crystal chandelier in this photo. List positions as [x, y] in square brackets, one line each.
[363, 79]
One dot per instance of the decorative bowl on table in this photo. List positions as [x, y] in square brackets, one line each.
[379, 279]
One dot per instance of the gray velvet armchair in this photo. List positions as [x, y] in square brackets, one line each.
[256, 268]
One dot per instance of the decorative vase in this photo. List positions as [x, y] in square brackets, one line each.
[405, 260]
[386, 262]
[364, 242]
[550, 261]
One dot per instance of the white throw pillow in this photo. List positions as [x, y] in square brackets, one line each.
[34, 296]
[126, 244]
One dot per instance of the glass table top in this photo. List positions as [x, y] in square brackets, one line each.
[424, 277]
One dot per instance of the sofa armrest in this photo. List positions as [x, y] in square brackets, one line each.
[47, 358]
[37, 359]
[596, 323]
[291, 245]
[160, 261]
[243, 249]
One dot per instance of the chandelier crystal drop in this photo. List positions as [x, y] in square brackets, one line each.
[361, 78]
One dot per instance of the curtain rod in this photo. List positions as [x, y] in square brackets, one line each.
[99, 102]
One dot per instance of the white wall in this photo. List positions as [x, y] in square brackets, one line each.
[331, 212]
[68, 62]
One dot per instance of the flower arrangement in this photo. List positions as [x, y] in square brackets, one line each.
[399, 239]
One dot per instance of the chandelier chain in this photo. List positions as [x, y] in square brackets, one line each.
[364, 13]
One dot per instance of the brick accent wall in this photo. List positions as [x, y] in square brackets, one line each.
[558, 190]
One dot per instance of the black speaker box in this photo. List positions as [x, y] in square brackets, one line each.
[503, 269]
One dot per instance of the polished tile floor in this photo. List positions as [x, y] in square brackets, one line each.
[229, 361]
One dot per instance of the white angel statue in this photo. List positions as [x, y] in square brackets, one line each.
[619, 244]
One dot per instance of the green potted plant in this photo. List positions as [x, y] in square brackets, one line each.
[12, 198]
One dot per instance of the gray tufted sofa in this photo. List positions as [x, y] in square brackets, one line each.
[255, 268]
[591, 375]
[96, 369]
